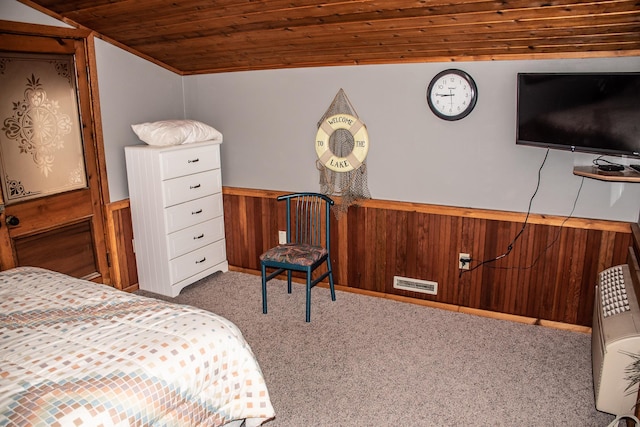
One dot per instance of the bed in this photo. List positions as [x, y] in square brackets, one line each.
[73, 352]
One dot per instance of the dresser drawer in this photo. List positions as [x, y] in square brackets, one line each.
[193, 212]
[195, 237]
[194, 262]
[185, 188]
[189, 161]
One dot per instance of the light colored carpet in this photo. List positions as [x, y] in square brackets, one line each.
[367, 361]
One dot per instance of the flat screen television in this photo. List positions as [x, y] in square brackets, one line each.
[585, 112]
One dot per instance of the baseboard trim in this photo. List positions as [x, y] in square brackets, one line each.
[440, 305]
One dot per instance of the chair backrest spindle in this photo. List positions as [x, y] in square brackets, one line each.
[306, 218]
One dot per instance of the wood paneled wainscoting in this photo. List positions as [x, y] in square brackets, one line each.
[549, 273]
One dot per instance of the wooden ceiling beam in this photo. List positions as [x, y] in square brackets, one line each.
[448, 16]
[603, 51]
[198, 36]
[408, 42]
[346, 36]
[426, 47]
[426, 53]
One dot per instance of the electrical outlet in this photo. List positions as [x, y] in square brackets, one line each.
[464, 260]
[282, 237]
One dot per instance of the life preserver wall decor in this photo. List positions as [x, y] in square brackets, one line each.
[358, 131]
[342, 144]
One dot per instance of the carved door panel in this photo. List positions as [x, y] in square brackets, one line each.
[52, 213]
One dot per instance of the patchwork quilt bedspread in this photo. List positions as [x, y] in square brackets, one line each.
[73, 353]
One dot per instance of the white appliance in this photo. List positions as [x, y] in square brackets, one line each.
[615, 336]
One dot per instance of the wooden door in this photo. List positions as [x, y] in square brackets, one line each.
[60, 228]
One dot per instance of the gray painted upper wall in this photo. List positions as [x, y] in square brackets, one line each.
[269, 120]
[132, 90]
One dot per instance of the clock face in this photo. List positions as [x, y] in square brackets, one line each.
[452, 94]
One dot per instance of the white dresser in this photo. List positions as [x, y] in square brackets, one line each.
[175, 194]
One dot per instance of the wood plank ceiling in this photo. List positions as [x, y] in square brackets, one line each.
[206, 36]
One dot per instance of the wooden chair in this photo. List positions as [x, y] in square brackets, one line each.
[307, 247]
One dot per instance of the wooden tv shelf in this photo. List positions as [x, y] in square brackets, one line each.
[626, 175]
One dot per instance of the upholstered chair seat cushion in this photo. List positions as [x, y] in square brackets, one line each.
[294, 253]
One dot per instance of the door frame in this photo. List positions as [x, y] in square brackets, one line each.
[94, 146]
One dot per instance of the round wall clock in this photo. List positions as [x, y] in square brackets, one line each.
[452, 94]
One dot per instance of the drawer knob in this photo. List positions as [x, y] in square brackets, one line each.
[12, 220]
[194, 186]
[198, 237]
[201, 261]
[193, 161]
[196, 212]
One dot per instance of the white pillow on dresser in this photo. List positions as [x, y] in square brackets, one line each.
[175, 132]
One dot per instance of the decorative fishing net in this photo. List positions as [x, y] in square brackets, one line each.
[351, 186]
